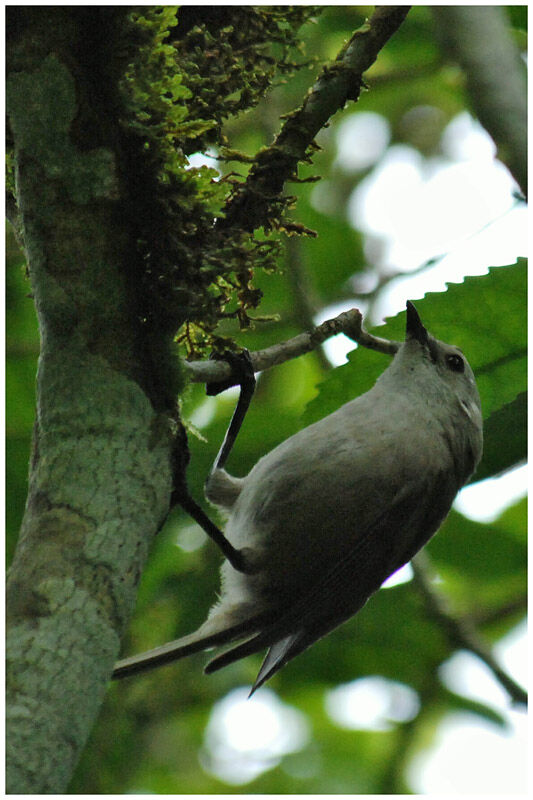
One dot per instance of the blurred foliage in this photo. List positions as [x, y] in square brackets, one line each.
[151, 732]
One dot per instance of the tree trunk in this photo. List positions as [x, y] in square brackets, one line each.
[496, 80]
[100, 477]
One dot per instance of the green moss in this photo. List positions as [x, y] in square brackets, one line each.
[170, 77]
[189, 71]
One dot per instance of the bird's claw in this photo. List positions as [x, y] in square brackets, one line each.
[242, 371]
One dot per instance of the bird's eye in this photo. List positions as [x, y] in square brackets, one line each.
[455, 363]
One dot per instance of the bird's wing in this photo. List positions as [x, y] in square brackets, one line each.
[344, 589]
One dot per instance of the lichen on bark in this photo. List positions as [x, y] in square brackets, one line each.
[48, 94]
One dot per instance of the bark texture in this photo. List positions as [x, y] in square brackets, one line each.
[100, 477]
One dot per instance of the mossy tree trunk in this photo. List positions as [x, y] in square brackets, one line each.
[100, 477]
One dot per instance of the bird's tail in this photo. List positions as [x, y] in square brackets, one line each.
[201, 639]
[279, 653]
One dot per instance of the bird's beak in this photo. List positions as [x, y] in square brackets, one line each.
[414, 328]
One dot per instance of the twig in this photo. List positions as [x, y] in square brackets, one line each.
[460, 630]
[485, 616]
[349, 323]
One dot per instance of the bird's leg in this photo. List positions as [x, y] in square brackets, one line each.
[241, 364]
[234, 556]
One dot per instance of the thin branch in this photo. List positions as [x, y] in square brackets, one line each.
[460, 630]
[342, 81]
[485, 616]
[349, 323]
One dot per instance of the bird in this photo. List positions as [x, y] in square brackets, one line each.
[322, 520]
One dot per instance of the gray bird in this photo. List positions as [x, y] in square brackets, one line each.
[329, 514]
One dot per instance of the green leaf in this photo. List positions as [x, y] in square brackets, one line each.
[483, 565]
[505, 439]
[482, 552]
